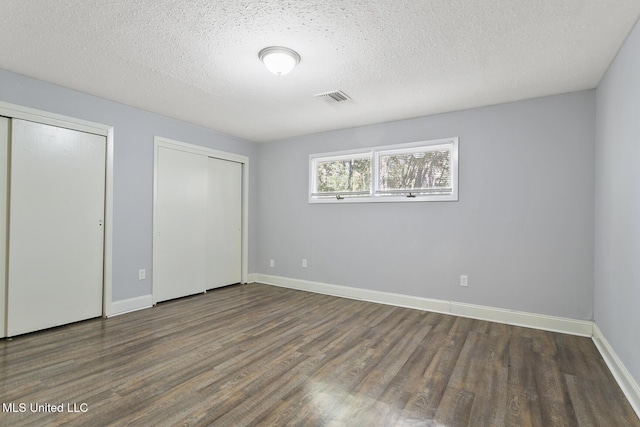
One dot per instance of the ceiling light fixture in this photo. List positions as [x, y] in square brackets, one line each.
[279, 60]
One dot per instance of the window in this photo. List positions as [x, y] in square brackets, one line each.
[340, 176]
[420, 171]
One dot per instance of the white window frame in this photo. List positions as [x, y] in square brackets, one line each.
[375, 195]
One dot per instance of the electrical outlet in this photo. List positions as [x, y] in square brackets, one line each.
[142, 274]
[304, 263]
[464, 280]
[272, 263]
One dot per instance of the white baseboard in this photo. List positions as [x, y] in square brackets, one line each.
[627, 383]
[131, 304]
[251, 278]
[510, 317]
[356, 293]
[543, 322]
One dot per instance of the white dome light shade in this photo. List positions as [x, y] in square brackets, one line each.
[279, 60]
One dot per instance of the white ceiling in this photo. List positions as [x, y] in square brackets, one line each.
[197, 60]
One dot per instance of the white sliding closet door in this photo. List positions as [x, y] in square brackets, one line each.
[224, 223]
[56, 231]
[198, 221]
[4, 147]
[180, 243]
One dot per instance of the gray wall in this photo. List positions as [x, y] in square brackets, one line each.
[522, 229]
[133, 168]
[617, 213]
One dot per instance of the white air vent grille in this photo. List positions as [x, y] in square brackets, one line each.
[333, 97]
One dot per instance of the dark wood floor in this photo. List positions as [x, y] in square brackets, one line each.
[262, 355]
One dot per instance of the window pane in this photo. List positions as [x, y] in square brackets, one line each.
[344, 175]
[422, 171]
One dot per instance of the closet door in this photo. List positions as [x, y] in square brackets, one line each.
[4, 163]
[225, 223]
[180, 221]
[56, 232]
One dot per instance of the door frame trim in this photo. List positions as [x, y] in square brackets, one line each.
[158, 142]
[59, 120]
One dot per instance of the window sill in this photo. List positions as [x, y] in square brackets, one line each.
[387, 199]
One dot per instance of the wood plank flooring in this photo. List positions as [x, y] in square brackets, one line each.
[257, 355]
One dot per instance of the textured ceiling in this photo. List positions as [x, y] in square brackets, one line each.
[197, 60]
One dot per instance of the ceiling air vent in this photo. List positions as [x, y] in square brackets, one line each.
[333, 97]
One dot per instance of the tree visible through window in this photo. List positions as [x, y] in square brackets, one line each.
[346, 176]
[417, 172]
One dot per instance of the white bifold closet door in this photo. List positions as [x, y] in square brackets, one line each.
[56, 226]
[197, 221]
